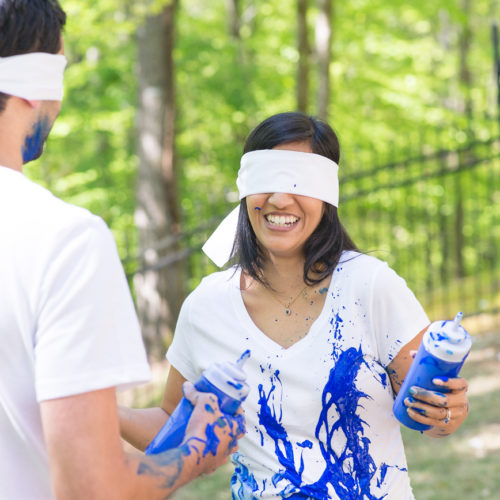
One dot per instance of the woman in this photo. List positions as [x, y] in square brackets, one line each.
[330, 330]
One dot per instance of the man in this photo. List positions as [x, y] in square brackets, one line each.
[68, 331]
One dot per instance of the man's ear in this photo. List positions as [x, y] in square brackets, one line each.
[33, 103]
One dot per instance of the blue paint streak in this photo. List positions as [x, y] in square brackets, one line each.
[33, 144]
[351, 471]
[338, 323]
[348, 471]
[383, 379]
[242, 476]
[305, 444]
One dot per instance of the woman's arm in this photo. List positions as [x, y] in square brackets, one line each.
[139, 426]
[445, 412]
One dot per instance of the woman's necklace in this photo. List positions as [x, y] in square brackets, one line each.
[286, 305]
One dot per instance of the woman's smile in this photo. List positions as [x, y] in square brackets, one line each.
[281, 221]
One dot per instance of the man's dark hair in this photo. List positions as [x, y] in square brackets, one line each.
[29, 26]
[325, 245]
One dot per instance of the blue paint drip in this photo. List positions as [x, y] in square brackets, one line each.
[383, 379]
[305, 444]
[383, 471]
[33, 144]
[348, 471]
[351, 471]
[242, 476]
[337, 323]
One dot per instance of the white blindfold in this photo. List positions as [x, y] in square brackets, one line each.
[34, 76]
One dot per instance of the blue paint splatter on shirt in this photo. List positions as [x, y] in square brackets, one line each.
[349, 469]
[243, 478]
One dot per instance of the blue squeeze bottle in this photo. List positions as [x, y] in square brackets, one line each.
[444, 348]
[226, 380]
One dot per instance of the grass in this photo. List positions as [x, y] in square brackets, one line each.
[465, 465]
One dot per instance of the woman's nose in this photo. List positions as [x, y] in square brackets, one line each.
[280, 200]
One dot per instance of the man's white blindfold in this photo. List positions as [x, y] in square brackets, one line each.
[275, 171]
[34, 76]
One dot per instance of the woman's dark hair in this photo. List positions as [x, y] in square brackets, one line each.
[325, 245]
[29, 26]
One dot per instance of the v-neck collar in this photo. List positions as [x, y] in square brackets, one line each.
[264, 340]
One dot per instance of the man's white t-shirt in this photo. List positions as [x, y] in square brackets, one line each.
[319, 414]
[67, 322]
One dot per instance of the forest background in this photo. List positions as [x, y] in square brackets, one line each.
[160, 96]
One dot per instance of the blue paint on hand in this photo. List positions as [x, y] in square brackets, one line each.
[212, 442]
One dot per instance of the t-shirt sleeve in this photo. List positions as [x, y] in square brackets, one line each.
[87, 337]
[179, 351]
[397, 315]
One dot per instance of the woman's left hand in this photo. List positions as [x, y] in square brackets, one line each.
[444, 411]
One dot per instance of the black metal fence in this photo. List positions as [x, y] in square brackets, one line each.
[433, 216]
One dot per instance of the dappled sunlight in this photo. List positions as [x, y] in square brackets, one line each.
[480, 444]
[484, 384]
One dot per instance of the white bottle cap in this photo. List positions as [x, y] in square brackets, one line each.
[448, 340]
[230, 377]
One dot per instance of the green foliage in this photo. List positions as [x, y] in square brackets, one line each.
[396, 91]
[89, 158]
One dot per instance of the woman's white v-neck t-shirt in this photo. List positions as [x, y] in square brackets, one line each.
[319, 414]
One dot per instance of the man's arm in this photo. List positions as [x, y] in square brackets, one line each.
[87, 459]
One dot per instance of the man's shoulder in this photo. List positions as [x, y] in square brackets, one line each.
[32, 205]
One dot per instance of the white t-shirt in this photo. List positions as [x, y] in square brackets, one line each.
[319, 413]
[67, 322]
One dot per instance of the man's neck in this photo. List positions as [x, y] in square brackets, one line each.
[10, 161]
[11, 141]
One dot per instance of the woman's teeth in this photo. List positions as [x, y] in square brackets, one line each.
[281, 220]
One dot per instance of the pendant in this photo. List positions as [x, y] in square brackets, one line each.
[288, 312]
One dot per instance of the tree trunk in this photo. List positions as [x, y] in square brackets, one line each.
[159, 292]
[304, 51]
[324, 52]
[233, 18]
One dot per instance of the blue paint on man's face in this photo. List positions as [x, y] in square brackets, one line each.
[33, 144]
